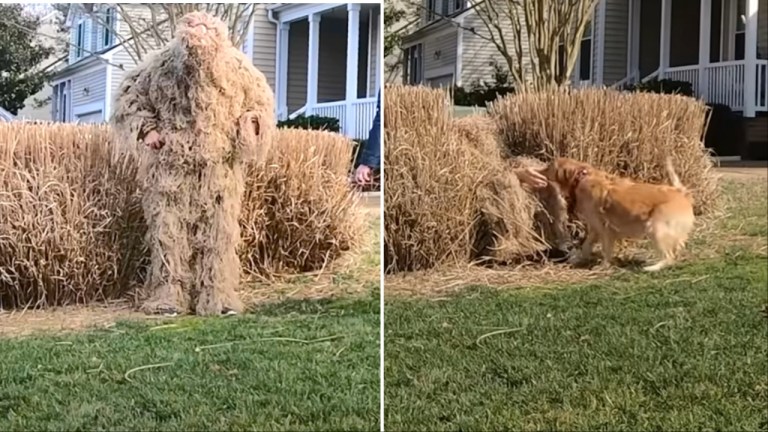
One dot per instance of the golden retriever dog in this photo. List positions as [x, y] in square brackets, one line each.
[615, 208]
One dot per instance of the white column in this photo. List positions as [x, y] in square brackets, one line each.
[705, 33]
[313, 61]
[666, 18]
[353, 42]
[750, 59]
[281, 77]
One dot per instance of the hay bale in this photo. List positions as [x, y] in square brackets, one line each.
[299, 212]
[629, 134]
[71, 228]
[446, 199]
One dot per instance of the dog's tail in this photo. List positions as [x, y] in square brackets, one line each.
[674, 179]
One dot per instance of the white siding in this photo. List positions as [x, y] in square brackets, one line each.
[479, 55]
[264, 44]
[375, 54]
[615, 43]
[94, 80]
[440, 53]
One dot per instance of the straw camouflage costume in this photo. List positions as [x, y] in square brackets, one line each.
[202, 110]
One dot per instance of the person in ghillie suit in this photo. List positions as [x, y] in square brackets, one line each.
[202, 110]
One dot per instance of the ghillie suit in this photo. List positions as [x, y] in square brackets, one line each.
[213, 111]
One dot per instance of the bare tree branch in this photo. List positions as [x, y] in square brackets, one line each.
[545, 24]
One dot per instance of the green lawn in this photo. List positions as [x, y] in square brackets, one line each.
[242, 373]
[684, 349]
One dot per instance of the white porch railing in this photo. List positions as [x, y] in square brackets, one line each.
[364, 111]
[723, 82]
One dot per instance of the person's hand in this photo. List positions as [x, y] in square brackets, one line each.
[153, 140]
[363, 175]
[532, 178]
[251, 120]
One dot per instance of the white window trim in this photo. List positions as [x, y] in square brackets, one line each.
[734, 17]
[728, 30]
[591, 38]
[421, 63]
[67, 83]
[576, 72]
[78, 46]
[106, 30]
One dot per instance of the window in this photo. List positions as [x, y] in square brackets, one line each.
[444, 8]
[413, 64]
[109, 25]
[61, 101]
[80, 39]
[739, 37]
[583, 69]
[585, 57]
[431, 9]
[458, 5]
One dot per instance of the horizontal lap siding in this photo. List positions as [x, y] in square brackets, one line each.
[374, 54]
[264, 44]
[444, 43]
[479, 55]
[615, 42]
[94, 81]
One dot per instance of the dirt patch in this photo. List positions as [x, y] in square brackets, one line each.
[64, 319]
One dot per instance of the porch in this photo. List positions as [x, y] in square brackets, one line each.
[327, 63]
[719, 52]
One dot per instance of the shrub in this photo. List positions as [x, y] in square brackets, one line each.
[71, 225]
[662, 86]
[630, 134]
[72, 228]
[481, 93]
[312, 122]
[447, 198]
[299, 213]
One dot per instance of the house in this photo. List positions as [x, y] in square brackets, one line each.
[33, 109]
[719, 46]
[319, 59]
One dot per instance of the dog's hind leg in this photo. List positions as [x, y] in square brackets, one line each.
[667, 244]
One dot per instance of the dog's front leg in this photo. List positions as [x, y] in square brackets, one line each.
[607, 243]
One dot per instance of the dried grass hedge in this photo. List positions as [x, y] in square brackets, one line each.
[299, 213]
[629, 134]
[447, 199]
[71, 224]
[71, 228]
